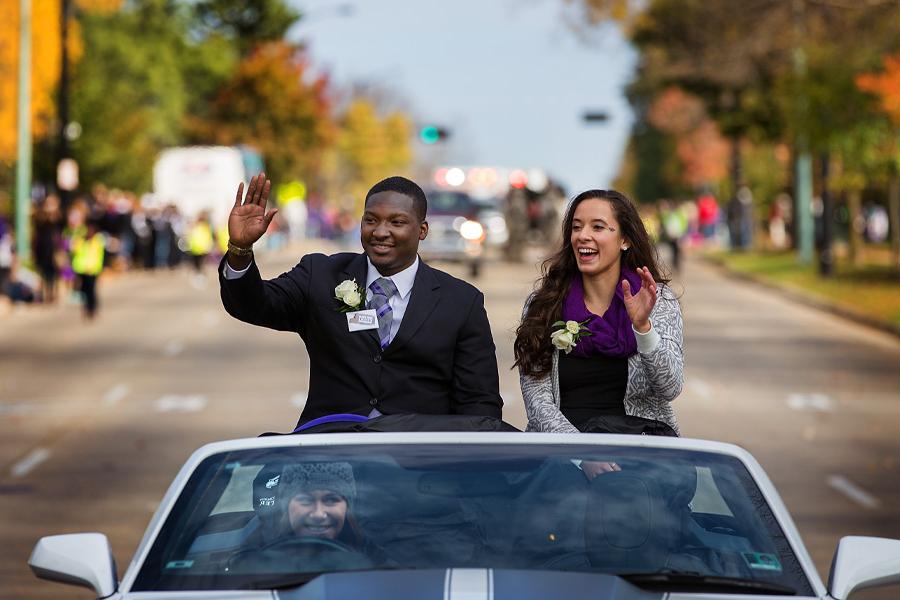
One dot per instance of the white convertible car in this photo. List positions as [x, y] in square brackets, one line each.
[468, 515]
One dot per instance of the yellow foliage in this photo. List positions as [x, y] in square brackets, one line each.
[371, 147]
[45, 64]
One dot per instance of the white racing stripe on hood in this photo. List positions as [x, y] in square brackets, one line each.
[469, 584]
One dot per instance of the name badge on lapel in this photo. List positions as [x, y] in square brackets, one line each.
[362, 320]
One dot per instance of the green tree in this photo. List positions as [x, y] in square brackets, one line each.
[768, 71]
[650, 169]
[248, 23]
[128, 92]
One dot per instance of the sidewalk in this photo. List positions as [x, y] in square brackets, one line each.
[810, 298]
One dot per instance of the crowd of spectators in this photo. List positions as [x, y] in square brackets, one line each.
[139, 233]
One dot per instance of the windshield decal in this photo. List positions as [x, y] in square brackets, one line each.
[762, 561]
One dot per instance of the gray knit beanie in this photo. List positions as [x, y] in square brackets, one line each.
[334, 476]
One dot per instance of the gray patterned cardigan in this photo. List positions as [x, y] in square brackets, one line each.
[655, 374]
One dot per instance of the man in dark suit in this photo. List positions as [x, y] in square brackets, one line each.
[385, 332]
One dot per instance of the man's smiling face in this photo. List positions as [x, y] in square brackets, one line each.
[390, 231]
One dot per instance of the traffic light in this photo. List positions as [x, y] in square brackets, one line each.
[432, 134]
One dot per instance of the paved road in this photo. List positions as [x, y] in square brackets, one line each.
[95, 420]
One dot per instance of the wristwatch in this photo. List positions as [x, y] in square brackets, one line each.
[238, 251]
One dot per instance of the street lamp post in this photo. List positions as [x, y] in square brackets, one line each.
[803, 167]
[23, 142]
[826, 256]
[62, 141]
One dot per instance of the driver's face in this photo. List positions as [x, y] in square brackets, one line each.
[317, 513]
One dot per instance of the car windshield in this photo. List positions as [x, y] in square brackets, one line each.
[248, 518]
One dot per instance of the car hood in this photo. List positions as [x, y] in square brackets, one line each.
[468, 584]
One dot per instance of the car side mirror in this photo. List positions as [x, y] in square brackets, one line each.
[862, 562]
[83, 559]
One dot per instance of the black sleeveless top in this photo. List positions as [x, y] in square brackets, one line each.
[592, 386]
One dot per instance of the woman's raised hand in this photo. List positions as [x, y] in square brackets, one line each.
[248, 220]
[640, 305]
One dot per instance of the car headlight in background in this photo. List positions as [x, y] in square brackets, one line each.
[471, 230]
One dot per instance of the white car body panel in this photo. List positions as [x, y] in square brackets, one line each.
[864, 560]
[80, 559]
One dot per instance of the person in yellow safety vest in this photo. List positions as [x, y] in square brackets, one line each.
[291, 199]
[222, 239]
[88, 252]
[201, 241]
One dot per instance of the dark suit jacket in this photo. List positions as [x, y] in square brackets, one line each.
[442, 360]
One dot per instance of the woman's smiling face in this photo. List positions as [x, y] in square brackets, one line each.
[596, 240]
[317, 513]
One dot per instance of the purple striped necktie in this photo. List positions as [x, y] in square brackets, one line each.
[382, 290]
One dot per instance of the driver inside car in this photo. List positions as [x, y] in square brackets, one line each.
[311, 527]
[318, 498]
[317, 501]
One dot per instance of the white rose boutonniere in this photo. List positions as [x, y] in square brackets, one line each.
[349, 294]
[565, 334]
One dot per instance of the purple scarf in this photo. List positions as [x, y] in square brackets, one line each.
[611, 334]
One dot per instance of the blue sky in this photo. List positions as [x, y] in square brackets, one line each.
[510, 78]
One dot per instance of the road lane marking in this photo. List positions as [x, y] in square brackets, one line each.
[173, 348]
[817, 402]
[20, 408]
[174, 403]
[116, 394]
[34, 458]
[852, 491]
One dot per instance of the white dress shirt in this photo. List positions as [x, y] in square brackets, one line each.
[403, 281]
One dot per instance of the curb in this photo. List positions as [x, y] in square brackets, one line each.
[801, 298]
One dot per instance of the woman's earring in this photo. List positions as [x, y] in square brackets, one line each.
[624, 248]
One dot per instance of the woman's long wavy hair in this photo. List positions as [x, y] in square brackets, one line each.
[532, 348]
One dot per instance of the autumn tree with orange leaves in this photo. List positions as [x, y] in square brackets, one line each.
[886, 87]
[701, 149]
[269, 104]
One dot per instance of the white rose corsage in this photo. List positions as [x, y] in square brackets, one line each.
[350, 295]
[565, 334]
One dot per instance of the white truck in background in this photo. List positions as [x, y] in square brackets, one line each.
[203, 178]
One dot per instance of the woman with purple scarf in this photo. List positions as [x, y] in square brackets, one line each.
[602, 333]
